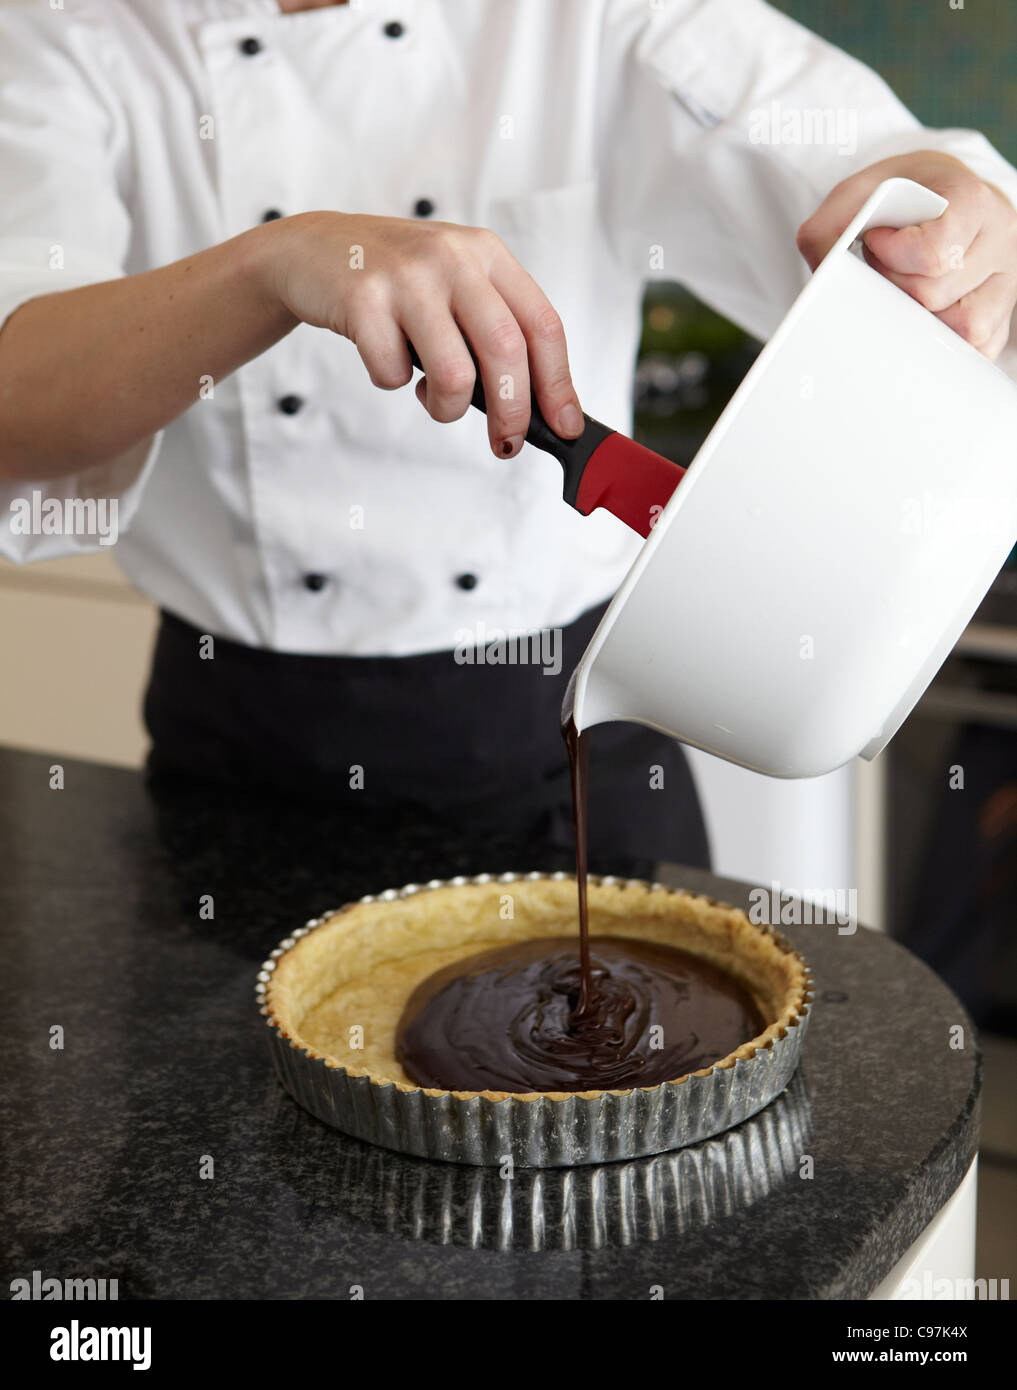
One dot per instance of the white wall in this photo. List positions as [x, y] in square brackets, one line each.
[75, 639]
[799, 833]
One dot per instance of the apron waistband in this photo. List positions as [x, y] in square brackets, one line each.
[429, 728]
[479, 744]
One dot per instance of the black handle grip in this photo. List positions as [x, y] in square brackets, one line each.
[572, 454]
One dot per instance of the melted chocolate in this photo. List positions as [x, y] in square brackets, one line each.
[508, 1019]
[533, 1017]
[579, 769]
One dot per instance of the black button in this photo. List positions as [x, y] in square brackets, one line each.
[249, 47]
[423, 207]
[467, 581]
[289, 405]
[315, 582]
[272, 215]
[393, 30]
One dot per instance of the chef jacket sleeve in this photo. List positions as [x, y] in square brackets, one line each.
[702, 177]
[64, 164]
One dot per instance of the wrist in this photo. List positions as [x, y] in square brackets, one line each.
[260, 260]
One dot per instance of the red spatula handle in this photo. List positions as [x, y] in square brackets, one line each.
[632, 482]
[602, 468]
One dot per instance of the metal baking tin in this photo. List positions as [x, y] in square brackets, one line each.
[595, 1207]
[540, 1133]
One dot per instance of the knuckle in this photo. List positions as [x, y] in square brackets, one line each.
[972, 323]
[548, 327]
[485, 240]
[512, 412]
[1002, 339]
[388, 375]
[415, 278]
[446, 247]
[980, 194]
[807, 239]
[445, 411]
[368, 295]
[931, 295]
[451, 376]
[994, 346]
[558, 388]
[506, 339]
[927, 252]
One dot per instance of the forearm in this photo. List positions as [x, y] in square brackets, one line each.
[87, 373]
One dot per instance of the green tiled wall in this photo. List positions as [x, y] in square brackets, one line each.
[952, 67]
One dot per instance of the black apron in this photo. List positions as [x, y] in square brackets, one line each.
[479, 744]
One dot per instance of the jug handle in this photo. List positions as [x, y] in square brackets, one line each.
[894, 203]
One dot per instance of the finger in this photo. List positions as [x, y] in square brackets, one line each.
[939, 172]
[978, 317]
[936, 247]
[819, 232]
[449, 374]
[382, 347]
[978, 309]
[547, 350]
[997, 342]
[938, 292]
[500, 348]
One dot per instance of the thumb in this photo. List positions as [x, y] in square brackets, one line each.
[819, 232]
[943, 173]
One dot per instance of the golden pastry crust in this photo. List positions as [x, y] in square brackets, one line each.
[338, 993]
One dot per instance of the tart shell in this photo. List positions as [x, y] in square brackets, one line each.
[397, 937]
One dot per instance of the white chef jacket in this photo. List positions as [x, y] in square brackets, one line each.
[606, 141]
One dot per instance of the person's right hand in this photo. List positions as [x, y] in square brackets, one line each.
[435, 284]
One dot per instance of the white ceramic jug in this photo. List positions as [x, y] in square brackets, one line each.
[831, 539]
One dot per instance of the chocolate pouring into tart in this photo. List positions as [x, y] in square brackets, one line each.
[465, 1021]
[510, 1019]
[335, 993]
[545, 1016]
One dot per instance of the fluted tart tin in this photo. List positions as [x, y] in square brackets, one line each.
[593, 1207]
[533, 1130]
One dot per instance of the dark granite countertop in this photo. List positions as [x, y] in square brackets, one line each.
[164, 1063]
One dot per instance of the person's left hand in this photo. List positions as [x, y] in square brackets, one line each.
[962, 266]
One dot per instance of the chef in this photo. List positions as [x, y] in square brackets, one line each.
[222, 220]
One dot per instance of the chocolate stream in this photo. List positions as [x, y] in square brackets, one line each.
[531, 1017]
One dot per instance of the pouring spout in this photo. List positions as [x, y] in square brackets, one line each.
[568, 704]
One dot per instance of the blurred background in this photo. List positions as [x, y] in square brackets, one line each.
[934, 866]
